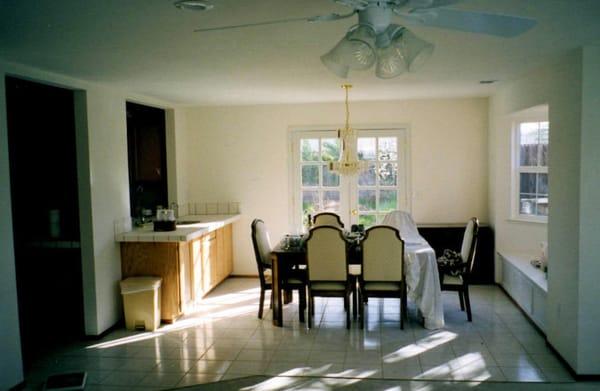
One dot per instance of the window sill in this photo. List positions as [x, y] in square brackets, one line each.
[527, 220]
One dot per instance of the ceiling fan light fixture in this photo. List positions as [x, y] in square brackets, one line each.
[359, 47]
[334, 63]
[415, 50]
[390, 63]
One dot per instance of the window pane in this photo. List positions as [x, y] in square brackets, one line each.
[368, 177]
[330, 149]
[528, 141]
[310, 175]
[543, 144]
[388, 148]
[331, 201]
[366, 200]
[366, 148]
[527, 204]
[542, 185]
[330, 179]
[309, 149]
[388, 173]
[366, 220]
[310, 201]
[527, 183]
[542, 206]
[388, 200]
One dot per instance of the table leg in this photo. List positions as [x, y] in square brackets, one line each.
[277, 302]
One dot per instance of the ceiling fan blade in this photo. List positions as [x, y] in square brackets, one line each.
[473, 21]
[311, 19]
[426, 4]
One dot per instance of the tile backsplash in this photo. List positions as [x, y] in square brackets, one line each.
[209, 208]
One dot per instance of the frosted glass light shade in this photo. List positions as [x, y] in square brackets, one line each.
[359, 53]
[390, 62]
[335, 62]
[416, 50]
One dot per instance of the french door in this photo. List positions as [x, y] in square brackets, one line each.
[364, 198]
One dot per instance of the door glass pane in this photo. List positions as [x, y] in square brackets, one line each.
[331, 201]
[309, 148]
[528, 141]
[368, 177]
[367, 220]
[388, 200]
[367, 200]
[388, 174]
[388, 148]
[310, 201]
[366, 148]
[330, 179]
[330, 149]
[310, 175]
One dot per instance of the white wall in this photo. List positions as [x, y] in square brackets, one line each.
[11, 367]
[558, 85]
[589, 215]
[104, 190]
[242, 154]
[570, 88]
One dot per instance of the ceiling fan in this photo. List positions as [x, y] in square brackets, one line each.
[376, 40]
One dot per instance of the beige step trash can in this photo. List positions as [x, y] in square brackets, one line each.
[141, 302]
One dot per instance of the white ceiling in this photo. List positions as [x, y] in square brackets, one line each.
[149, 47]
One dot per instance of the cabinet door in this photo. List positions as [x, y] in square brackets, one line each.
[186, 281]
[195, 253]
[213, 260]
[155, 259]
[228, 249]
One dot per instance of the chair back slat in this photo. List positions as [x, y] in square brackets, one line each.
[383, 254]
[327, 218]
[326, 254]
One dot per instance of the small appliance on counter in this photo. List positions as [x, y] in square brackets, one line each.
[165, 220]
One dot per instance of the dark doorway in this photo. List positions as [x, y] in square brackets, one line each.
[147, 150]
[45, 209]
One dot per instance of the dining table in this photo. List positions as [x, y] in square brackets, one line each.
[421, 272]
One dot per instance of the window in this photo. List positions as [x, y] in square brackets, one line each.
[362, 199]
[531, 173]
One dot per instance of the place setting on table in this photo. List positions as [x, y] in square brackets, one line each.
[421, 277]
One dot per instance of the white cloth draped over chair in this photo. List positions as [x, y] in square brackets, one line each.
[421, 272]
[405, 224]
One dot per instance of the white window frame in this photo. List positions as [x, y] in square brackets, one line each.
[297, 132]
[517, 169]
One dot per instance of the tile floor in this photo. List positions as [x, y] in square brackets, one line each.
[225, 340]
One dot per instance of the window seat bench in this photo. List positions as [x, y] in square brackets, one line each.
[525, 284]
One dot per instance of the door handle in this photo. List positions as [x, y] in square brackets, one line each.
[354, 212]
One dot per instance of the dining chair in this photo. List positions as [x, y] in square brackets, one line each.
[262, 253]
[382, 268]
[460, 282]
[327, 265]
[327, 218]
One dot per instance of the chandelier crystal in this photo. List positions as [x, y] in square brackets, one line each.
[348, 164]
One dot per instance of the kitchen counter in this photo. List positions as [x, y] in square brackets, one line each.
[184, 232]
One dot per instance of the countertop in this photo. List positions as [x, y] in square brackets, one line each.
[183, 233]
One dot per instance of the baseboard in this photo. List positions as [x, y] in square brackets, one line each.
[119, 324]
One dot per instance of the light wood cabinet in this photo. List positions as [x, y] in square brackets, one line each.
[189, 270]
